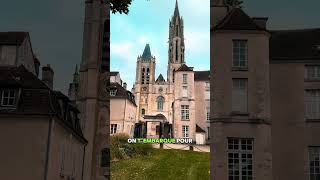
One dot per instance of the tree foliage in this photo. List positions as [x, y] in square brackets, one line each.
[120, 6]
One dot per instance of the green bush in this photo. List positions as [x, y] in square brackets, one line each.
[121, 149]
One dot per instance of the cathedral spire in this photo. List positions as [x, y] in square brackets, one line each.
[146, 56]
[176, 11]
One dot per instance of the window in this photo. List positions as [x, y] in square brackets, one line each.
[314, 163]
[312, 72]
[207, 95]
[113, 92]
[148, 75]
[8, 97]
[157, 130]
[208, 113]
[142, 75]
[239, 95]
[312, 104]
[185, 78]
[173, 75]
[143, 111]
[185, 131]
[185, 112]
[113, 128]
[240, 155]
[184, 91]
[177, 49]
[208, 131]
[207, 85]
[239, 54]
[160, 101]
[104, 157]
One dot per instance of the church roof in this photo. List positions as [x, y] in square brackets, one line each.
[12, 38]
[237, 19]
[295, 45]
[146, 56]
[201, 75]
[184, 67]
[160, 79]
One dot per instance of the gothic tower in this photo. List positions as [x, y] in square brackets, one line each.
[92, 97]
[145, 78]
[176, 44]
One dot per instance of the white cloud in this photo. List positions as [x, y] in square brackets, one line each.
[123, 50]
[197, 42]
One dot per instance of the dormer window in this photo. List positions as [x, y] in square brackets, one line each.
[113, 92]
[8, 98]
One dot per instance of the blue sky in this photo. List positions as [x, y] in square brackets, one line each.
[148, 22]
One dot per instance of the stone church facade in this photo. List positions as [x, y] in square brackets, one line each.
[178, 105]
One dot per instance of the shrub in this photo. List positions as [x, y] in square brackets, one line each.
[120, 149]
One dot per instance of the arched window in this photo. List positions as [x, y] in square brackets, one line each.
[177, 50]
[173, 75]
[143, 111]
[142, 75]
[160, 101]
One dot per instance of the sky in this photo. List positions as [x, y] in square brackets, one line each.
[148, 22]
[56, 29]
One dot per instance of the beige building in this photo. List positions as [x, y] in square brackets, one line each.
[265, 107]
[39, 127]
[123, 107]
[175, 107]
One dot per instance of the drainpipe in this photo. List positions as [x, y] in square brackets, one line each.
[83, 156]
[48, 148]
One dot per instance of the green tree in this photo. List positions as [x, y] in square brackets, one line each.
[120, 6]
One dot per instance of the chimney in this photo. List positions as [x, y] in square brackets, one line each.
[125, 85]
[36, 65]
[47, 76]
[260, 21]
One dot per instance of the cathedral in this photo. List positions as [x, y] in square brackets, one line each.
[177, 106]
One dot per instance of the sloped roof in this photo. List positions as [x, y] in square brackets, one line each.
[199, 129]
[201, 75]
[237, 19]
[36, 98]
[146, 56]
[20, 77]
[291, 45]
[184, 67]
[160, 79]
[12, 38]
[121, 92]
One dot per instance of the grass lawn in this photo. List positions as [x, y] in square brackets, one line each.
[163, 165]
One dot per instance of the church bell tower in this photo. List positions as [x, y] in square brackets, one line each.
[176, 44]
[92, 99]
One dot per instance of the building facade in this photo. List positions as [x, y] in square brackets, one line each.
[40, 128]
[123, 106]
[265, 98]
[174, 106]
